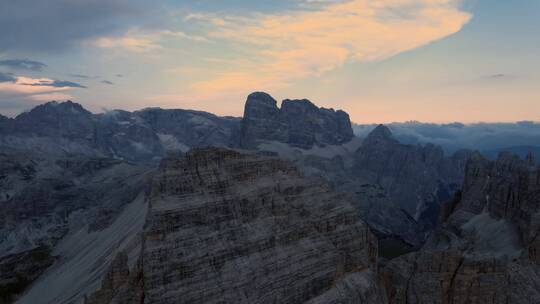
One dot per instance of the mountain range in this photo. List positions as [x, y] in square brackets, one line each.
[282, 205]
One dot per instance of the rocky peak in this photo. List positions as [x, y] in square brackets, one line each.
[54, 107]
[298, 106]
[417, 179]
[259, 100]
[299, 123]
[380, 134]
[242, 228]
[487, 249]
[55, 119]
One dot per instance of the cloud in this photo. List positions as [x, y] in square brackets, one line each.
[82, 76]
[130, 43]
[140, 41]
[286, 47]
[454, 136]
[23, 64]
[24, 92]
[36, 26]
[54, 83]
[6, 78]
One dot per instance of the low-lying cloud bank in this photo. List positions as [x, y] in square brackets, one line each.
[489, 138]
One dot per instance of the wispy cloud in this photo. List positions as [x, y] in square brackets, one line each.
[28, 91]
[23, 64]
[139, 41]
[4, 77]
[45, 82]
[298, 44]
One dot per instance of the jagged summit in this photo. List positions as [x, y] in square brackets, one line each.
[65, 107]
[381, 133]
[487, 247]
[299, 123]
[261, 98]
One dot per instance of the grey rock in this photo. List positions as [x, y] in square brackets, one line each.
[415, 179]
[63, 129]
[42, 198]
[193, 128]
[486, 250]
[399, 188]
[19, 270]
[225, 227]
[298, 123]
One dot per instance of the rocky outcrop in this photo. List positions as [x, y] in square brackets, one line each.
[225, 227]
[414, 179]
[398, 187]
[119, 284]
[485, 251]
[298, 123]
[19, 270]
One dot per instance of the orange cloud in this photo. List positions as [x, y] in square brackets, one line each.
[138, 41]
[289, 47]
[30, 88]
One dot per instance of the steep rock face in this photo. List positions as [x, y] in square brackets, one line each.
[299, 123]
[416, 179]
[486, 249]
[224, 227]
[17, 271]
[398, 187]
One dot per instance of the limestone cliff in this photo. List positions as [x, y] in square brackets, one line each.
[225, 227]
[486, 250]
[298, 123]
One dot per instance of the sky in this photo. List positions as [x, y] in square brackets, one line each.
[379, 60]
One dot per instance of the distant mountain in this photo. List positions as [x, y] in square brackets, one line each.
[143, 136]
[456, 136]
[298, 123]
[67, 128]
[416, 177]
[398, 187]
[521, 151]
[125, 207]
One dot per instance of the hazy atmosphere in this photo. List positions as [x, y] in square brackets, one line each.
[381, 61]
[264, 152]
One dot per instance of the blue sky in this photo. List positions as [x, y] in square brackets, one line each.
[380, 60]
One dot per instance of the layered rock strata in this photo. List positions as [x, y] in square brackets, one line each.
[298, 123]
[486, 250]
[225, 227]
